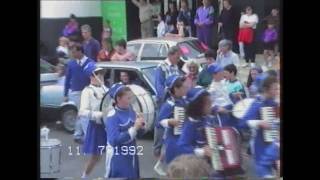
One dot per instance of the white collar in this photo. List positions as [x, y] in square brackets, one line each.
[193, 120]
[168, 62]
[83, 59]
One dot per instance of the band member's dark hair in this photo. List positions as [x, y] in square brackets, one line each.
[231, 68]
[122, 92]
[267, 83]
[177, 84]
[195, 108]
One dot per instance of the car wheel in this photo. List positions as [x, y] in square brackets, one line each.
[69, 117]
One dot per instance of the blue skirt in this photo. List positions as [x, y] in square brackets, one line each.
[96, 136]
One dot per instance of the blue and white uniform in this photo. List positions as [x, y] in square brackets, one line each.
[170, 140]
[122, 152]
[251, 120]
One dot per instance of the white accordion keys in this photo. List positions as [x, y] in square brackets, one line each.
[268, 114]
[179, 114]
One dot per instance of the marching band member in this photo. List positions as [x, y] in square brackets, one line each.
[123, 125]
[192, 139]
[222, 104]
[235, 88]
[95, 134]
[177, 89]
[252, 120]
[165, 69]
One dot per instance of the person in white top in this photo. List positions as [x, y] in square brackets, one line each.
[225, 54]
[162, 28]
[92, 124]
[145, 16]
[62, 49]
[248, 23]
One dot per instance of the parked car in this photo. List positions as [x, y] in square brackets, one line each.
[156, 49]
[52, 105]
[141, 73]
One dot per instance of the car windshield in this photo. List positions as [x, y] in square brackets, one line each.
[46, 67]
[150, 73]
[192, 49]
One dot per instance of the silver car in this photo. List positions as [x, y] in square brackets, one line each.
[156, 49]
[141, 73]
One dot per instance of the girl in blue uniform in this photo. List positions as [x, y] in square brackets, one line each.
[177, 88]
[123, 125]
[193, 139]
[252, 120]
[95, 134]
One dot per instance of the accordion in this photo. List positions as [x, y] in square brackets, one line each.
[270, 114]
[224, 141]
[179, 114]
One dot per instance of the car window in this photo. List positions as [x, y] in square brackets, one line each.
[46, 67]
[134, 48]
[153, 52]
[191, 49]
[150, 73]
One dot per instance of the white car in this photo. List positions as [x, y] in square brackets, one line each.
[156, 49]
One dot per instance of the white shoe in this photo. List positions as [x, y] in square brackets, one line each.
[159, 169]
[252, 65]
[245, 65]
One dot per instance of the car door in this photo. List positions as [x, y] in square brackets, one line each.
[154, 51]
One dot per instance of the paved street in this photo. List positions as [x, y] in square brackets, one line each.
[72, 164]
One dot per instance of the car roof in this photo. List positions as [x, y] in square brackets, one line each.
[164, 39]
[128, 64]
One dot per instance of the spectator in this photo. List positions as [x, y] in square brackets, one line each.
[72, 27]
[165, 69]
[270, 37]
[162, 27]
[107, 50]
[246, 38]
[228, 21]
[189, 167]
[171, 16]
[185, 16]
[62, 49]
[90, 45]
[75, 81]
[145, 16]
[235, 88]
[225, 54]
[179, 31]
[275, 19]
[205, 78]
[204, 23]
[121, 53]
[253, 74]
[192, 75]
[107, 30]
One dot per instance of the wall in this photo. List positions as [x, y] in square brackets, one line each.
[55, 14]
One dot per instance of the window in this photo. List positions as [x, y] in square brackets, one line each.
[46, 67]
[191, 49]
[150, 73]
[154, 52]
[134, 48]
